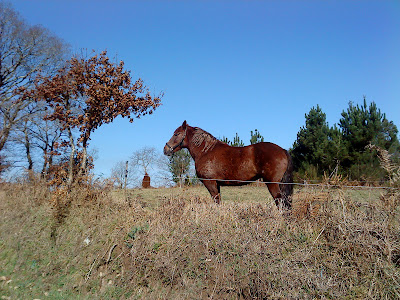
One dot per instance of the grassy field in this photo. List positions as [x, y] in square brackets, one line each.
[176, 244]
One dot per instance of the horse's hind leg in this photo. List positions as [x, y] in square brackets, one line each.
[214, 189]
[275, 192]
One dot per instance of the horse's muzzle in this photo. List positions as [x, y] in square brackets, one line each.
[168, 150]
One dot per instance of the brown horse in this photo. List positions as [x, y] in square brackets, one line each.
[218, 164]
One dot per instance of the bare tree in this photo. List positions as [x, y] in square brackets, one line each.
[47, 136]
[24, 51]
[145, 158]
[37, 139]
[164, 175]
[22, 136]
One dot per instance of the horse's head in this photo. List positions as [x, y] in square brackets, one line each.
[177, 141]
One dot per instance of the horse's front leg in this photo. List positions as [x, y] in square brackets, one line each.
[214, 189]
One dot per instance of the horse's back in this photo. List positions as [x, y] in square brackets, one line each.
[269, 150]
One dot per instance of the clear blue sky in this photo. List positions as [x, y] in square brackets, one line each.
[234, 66]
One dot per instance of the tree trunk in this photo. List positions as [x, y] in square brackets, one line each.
[5, 133]
[83, 165]
[50, 157]
[27, 144]
[44, 168]
[71, 163]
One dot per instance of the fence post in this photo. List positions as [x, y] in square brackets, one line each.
[125, 183]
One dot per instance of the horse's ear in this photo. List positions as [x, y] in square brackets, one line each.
[184, 125]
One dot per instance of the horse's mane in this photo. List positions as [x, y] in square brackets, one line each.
[200, 136]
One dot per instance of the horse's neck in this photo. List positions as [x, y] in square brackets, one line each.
[200, 142]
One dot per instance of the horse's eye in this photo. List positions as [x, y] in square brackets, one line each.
[175, 134]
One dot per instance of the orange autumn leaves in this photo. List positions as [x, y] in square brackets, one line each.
[87, 93]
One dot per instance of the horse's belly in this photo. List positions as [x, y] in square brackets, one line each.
[227, 170]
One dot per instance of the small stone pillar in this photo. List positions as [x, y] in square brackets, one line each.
[146, 181]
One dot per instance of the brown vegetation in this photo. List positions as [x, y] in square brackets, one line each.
[177, 244]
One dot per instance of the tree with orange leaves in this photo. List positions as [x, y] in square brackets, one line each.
[87, 93]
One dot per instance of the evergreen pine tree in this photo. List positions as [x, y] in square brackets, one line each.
[225, 140]
[310, 147]
[256, 137]
[237, 142]
[362, 125]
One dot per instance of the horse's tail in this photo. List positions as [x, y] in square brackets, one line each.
[287, 189]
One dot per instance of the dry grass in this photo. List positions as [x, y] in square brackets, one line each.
[177, 244]
[340, 248]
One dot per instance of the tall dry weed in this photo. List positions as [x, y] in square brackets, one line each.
[387, 163]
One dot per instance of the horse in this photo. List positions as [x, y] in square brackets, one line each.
[218, 164]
